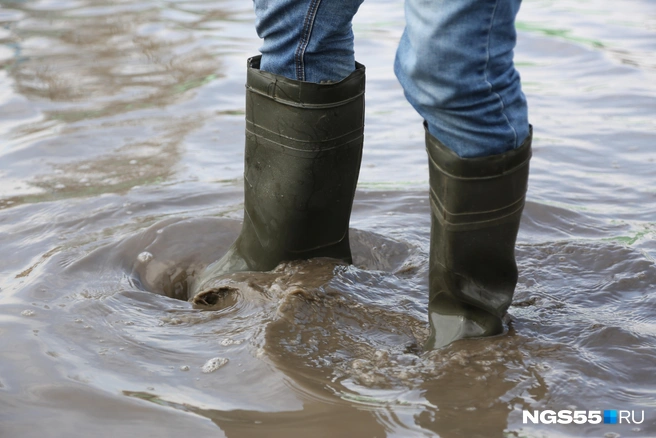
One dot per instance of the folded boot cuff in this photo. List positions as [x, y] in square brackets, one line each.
[306, 94]
[450, 164]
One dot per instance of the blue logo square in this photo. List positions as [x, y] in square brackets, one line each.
[610, 417]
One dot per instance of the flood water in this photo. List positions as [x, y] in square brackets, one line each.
[121, 149]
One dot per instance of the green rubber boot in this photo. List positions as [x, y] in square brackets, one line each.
[476, 207]
[302, 160]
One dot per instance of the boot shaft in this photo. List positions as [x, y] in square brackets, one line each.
[302, 160]
[476, 207]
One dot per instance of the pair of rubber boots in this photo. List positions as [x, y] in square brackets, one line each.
[302, 160]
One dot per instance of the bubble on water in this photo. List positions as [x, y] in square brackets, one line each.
[144, 257]
[60, 186]
[381, 356]
[172, 321]
[214, 364]
[184, 368]
[28, 313]
[160, 231]
[133, 161]
[227, 341]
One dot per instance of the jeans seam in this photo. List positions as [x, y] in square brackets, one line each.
[308, 24]
[487, 62]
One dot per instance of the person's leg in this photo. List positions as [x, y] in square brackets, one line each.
[304, 131]
[455, 63]
[307, 40]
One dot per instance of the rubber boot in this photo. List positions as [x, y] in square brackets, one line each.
[476, 207]
[302, 160]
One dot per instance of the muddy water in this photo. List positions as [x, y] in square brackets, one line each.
[120, 179]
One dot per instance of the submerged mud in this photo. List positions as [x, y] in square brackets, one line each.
[120, 163]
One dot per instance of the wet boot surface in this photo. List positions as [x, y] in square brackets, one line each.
[302, 159]
[476, 208]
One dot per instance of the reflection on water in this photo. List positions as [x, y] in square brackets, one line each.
[120, 162]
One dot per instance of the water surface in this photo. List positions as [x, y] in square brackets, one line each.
[121, 128]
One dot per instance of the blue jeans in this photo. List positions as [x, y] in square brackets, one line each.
[454, 62]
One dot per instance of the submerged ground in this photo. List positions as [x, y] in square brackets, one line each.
[121, 135]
